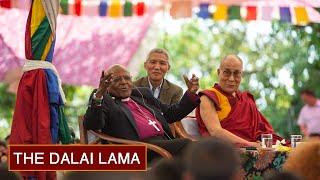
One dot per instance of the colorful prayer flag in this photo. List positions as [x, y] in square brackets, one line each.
[77, 7]
[285, 14]
[204, 11]
[301, 15]
[103, 6]
[221, 12]
[140, 8]
[266, 13]
[251, 13]
[115, 8]
[234, 12]
[127, 8]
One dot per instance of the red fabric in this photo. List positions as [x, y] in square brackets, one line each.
[244, 120]
[31, 119]
[251, 13]
[5, 3]
[77, 7]
[140, 8]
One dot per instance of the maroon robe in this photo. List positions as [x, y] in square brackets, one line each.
[244, 119]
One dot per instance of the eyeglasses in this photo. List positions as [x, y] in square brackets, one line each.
[228, 73]
[119, 78]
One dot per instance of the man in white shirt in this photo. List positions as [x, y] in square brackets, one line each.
[309, 117]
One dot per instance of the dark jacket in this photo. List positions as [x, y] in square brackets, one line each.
[115, 119]
[169, 93]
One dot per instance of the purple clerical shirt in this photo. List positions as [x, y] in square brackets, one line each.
[142, 116]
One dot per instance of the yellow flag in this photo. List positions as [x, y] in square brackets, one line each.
[301, 15]
[115, 8]
[221, 12]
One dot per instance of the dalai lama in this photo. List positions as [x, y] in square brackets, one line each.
[226, 112]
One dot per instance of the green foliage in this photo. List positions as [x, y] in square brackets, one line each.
[286, 51]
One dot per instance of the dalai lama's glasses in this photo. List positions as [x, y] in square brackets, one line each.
[228, 73]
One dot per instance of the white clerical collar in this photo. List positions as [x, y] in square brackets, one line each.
[126, 99]
[151, 87]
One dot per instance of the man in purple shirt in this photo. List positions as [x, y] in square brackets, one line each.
[122, 111]
[309, 117]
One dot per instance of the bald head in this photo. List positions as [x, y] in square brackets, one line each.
[116, 68]
[230, 73]
[231, 58]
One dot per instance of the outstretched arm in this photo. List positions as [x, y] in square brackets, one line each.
[210, 119]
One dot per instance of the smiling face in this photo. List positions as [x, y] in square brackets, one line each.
[121, 85]
[230, 74]
[157, 66]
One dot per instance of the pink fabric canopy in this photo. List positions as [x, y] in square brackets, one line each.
[84, 46]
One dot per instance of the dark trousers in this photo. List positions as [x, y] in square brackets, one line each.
[175, 146]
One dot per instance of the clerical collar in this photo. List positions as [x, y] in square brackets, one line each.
[151, 87]
[126, 99]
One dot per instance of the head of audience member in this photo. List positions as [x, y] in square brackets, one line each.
[211, 158]
[308, 97]
[157, 65]
[8, 175]
[168, 169]
[104, 175]
[3, 152]
[230, 73]
[304, 160]
[121, 85]
[282, 175]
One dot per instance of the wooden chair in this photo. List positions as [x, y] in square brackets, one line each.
[99, 136]
[181, 131]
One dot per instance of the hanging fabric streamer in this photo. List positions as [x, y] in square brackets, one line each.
[234, 12]
[251, 13]
[140, 8]
[103, 6]
[64, 6]
[285, 15]
[204, 11]
[127, 8]
[221, 13]
[181, 9]
[301, 15]
[77, 7]
[266, 13]
[115, 8]
[5, 3]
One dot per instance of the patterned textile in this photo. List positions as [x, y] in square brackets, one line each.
[256, 164]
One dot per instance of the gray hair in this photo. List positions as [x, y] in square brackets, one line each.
[158, 50]
[231, 56]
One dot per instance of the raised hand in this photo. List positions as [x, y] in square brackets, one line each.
[192, 84]
[105, 82]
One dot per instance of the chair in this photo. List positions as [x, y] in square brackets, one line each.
[187, 128]
[97, 136]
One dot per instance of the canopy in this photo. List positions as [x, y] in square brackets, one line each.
[80, 53]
